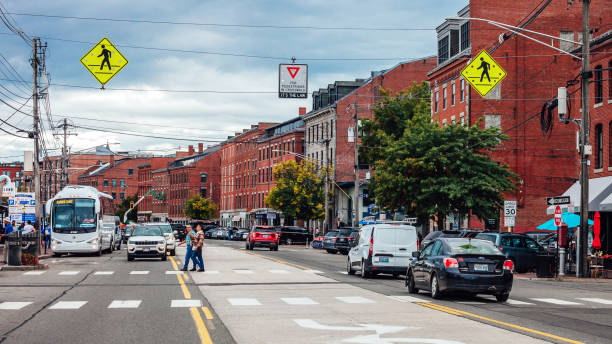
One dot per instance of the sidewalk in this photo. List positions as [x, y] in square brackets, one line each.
[531, 276]
[43, 255]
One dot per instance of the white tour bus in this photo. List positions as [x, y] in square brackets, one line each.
[82, 220]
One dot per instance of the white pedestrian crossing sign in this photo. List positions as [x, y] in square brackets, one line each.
[483, 73]
[104, 61]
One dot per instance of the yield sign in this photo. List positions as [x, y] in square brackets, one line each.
[293, 71]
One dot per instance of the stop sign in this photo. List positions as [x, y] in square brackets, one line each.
[558, 220]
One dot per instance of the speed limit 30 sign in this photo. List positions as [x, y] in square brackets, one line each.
[509, 208]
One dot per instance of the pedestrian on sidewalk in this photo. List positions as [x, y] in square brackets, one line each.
[28, 228]
[189, 240]
[47, 236]
[8, 228]
[197, 246]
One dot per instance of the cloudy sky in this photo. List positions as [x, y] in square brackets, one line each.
[183, 64]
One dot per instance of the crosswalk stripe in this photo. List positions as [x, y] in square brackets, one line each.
[211, 272]
[343, 272]
[354, 299]
[139, 272]
[185, 303]
[406, 298]
[34, 273]
[279, 271]
[244, 271]
[299, 301]
[13, 305]
[595, 300]
[125, 304]
[313, 271]
[104, 272]
[472, 302]
[68, 305]
[174, 272]
[69, 273]
[243, 302]
[557, 301]
[518, 303]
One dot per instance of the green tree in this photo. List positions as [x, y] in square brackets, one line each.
[124, 205]
[427, 170]
[299, 191]
[199, 208]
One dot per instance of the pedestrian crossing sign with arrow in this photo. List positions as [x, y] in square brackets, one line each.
[103, 61]
[483, 73]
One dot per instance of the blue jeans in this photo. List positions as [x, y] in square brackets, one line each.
[190, 255]
[197, 255]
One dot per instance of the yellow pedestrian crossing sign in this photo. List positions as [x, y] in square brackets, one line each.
[483, 73]
[103, 61]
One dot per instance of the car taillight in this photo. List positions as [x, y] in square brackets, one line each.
[335, 239]
[371, 249]
[418, 245]
[451, 263]
[500, 248]
[509, 265]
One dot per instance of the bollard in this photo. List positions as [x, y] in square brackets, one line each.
[561, 261]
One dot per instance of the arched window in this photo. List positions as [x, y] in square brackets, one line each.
[598, 85]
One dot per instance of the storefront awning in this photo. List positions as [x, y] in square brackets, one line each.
[600, 189]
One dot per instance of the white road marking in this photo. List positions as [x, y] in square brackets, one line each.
[314, 271]
[558, 302]
[125, 304]
[210, 272]
[472, 302]
[186, 303]
[518, 303]
[343, 272]
[354, 299]
[104, 272]
[279, 271]
[243, 302]
[34, 273]
[69, 273]
[596, 300]
[406, 298]
[139, 272]
[174, 272]
[13, 305]
[244, 271]
[68, 305]
[299, 301]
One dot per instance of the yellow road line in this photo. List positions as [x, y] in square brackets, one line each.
[199, 322]
[173, 263]
[184, 287]
[186, 277]
[207, 313]
[458, 312]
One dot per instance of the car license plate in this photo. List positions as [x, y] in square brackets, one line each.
[146, 249]
[481, 267]
[384, 260]
[265, 236]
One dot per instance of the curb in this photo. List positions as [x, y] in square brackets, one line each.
[23, 267]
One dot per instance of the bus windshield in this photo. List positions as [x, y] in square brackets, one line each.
[74, 215]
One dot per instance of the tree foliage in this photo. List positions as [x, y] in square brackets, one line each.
[124, 205]
[199, 208]
[299, 191]
[427, 170]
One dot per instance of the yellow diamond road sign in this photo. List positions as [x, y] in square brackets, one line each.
[103, 61]
[483, 73]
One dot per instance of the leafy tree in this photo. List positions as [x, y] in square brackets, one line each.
[299, 191]
[124, 205]
[200, 208]
[427, 170]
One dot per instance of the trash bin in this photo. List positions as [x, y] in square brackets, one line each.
[545, 266]
[13, 247]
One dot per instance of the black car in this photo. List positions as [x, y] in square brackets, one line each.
[179, 231]
[461, 265]
[290, 235]
[240, 235]
[329, 242]
[519, 248]
[343, 243]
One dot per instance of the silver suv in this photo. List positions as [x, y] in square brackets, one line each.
[166, 230]
[146, 242]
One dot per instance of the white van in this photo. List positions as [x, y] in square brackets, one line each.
[382, 248]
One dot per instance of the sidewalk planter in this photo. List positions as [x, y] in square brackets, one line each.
[13, 249]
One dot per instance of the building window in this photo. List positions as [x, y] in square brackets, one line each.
[114, 194]
[122, 183]
[454, 42]
[436, 102]
[203, 192]
[465, 35]
[609, 81]
[462, 91]
[114, 183]
[444, 98]
[106, 182]
[610, 145]
[453, 94]
[563, 45]
[122, 195]
[203, 177]
[492, 120]
[598, 85]
[130, 171]
[599, 146]
[443, 49]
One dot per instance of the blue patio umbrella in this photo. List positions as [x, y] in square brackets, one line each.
[572, 220]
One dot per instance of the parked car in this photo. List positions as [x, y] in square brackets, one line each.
[537, 236]
[461, 264]
[240, 235]
[439, 234]
[290, 235]
[208, 234]
[519, 248]
[343, 243]
[549, 242]
[329, 242]
[221, 234]
[179, 230]
[382, 248]
[262, 236]
[317, 242]
[146, 242]
[168, 234]
[117, 238]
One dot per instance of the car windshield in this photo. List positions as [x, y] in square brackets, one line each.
[331, 234]
[263, 229]
[472, 247]
[165, 228]
[345, 232]
[490, 237]
[74, 215]
[146, 231]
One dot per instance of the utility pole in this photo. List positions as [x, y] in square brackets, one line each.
[326, 226]
[356, 194]
[36, 176]
[585, 148]
[64, 177]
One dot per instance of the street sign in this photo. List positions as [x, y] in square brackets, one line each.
[104, 61]
[22, 207]
[363, 195]
[8, 190]
[509, 221]
[509, 208]
[558, 200]
[292, 81]
[483, 73]
[558, 219]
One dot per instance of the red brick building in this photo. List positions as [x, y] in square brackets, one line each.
[13, 170]
[239, 156]
[145, 184]
[118, 178]
[546, 163]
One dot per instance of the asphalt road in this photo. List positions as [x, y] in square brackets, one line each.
[87, 299]
[572, 311]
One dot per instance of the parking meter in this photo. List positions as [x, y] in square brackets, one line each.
[562, 236]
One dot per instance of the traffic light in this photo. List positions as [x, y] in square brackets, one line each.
[132, 205]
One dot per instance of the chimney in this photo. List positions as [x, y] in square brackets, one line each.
[253, 126]
[111, 160]
[190, 149]
[245, 130]
[200, 147]
[302, 111]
